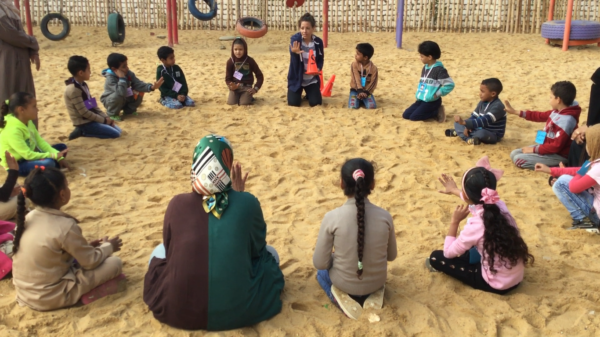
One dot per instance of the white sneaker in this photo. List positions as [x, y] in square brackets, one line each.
[375, 300]
[348, 305]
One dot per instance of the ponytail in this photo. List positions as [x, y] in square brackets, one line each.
[17, 100]
[20, 222]
[360, 220]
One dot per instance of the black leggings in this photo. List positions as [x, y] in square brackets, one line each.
[313, 93]
[462, 270]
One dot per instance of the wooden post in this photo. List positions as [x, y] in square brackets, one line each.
[325, 22]
[17, 4]
[169, 24]
[399, 23]
[551, 15]
[565, 46]
[28, 18]
[174, 22]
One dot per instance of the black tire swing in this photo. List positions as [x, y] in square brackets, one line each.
[51, 16]
[203, 16]
[116, 28]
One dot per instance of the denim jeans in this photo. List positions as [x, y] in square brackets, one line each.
[580, 205]
[354, 102]
[485, 136]
[26, 166]
[102, 131]
[161, 253]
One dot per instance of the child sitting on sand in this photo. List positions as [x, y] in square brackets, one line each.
[578, 188]
[123, 91]
[239, 75]
[87, 118]
[53, 264]
[434, 83]
[487, 123]
[363, 78]
[501, 254]
[174, 90]
[357, 226]
[21, 139]
[555, 142]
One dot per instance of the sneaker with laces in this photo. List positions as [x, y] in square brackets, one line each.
[451, 133]
[473, 141]
[584, 223]
[348, 305]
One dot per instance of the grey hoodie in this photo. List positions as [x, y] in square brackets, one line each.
[115, 88]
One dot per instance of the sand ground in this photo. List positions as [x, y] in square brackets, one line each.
[123, 186]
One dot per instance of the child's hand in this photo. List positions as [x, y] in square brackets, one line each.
[561, 165]
[233, 86]
[237, 182]
[116, 243]
[11, 162]
[449, 185]
[459, 120]
[120, 73]
[109, 121]
[62, 153]
[460, 213]
[96, 243]
[466, 132]
[181, 98]
[362, 95]
[528, 149]
[16, 190]
[251, 91]
[509, 109]
[296, 47]
[542, 168]
[158, 83]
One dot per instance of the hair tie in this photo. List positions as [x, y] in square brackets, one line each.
[358, 174]
[7, 102]
[360, 266]
[489, 196]
[24, 190]
[40, 167]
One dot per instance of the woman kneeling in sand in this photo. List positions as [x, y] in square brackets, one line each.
[214, 270]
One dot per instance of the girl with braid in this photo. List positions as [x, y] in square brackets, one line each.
[501, 254]
[354, 245]
[54, 266]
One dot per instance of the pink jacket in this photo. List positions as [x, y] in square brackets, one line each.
[472, 235]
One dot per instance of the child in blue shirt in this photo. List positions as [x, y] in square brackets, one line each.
[435, 83]
[487, 123]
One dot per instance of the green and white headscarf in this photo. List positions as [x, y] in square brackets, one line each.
[210, 174]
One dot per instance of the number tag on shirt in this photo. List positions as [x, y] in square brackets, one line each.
[540, 138]
[584, 168]
[129, 92]
[90, 103]
[177, 86]
[237, 75]
[363, 81]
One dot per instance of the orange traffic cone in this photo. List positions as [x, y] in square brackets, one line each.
[321, 80]
[312, 69]
[326, 92]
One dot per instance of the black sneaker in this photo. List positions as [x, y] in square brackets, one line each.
[586, 223]
[451, 133]
[473, 141]
[76, 133]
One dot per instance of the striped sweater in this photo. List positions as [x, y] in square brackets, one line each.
[489, 116]
[434, 83]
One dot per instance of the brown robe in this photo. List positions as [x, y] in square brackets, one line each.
[16, 47]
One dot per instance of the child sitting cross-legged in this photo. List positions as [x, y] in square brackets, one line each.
[88, 119]
[239, 75]
[123, 91]
[561, 121]
[487, 123]
[54, 266]
[363, 79]
[174, 90]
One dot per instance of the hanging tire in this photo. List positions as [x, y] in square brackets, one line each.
[290, 3]
[251, 33]
[116, 28]
[580, 30]
[55, 37]
[203, 16]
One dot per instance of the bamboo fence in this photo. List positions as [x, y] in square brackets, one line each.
[508, 16]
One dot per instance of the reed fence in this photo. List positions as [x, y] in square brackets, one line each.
[509, 16]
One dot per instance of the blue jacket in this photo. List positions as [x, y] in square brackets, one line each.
[296, 71]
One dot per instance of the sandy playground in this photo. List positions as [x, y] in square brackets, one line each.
[294, 154]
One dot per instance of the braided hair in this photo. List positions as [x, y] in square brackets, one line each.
[500, 237]
[42, 187]
[360, 189]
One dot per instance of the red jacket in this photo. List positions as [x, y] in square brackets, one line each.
[559, 127]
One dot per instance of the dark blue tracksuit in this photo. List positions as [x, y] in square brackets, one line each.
[296, 72]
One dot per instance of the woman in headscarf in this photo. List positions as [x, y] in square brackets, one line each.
[215, 270]
[17, 49]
